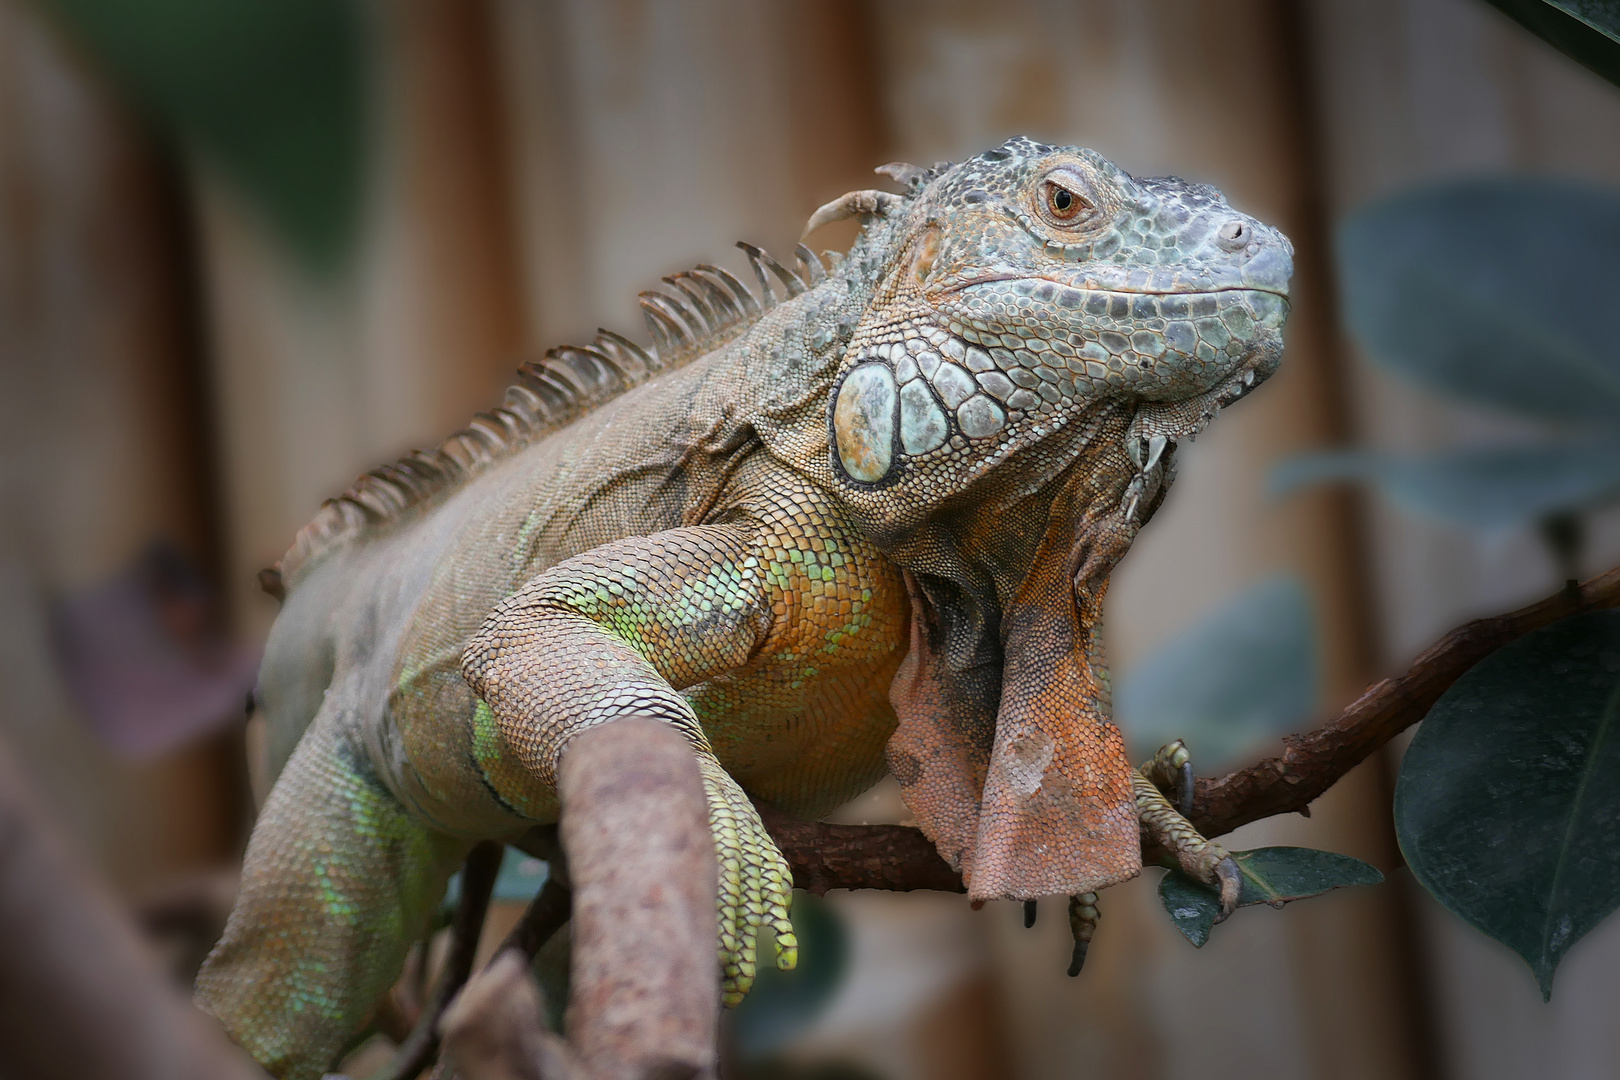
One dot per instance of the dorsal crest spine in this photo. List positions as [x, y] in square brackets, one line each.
[700, 310]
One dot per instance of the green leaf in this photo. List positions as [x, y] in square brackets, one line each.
[783, 1003]
[1273, 875]
[1235, 679]
[271, 92]
[1484, 488]
[1508, 803]
[1586, 31]
[1498, 291]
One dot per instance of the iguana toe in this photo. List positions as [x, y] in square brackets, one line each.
[1083, 916]
[1231, 885]
[1172, 773]
[756, 885]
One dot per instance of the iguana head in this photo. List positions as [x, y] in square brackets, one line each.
[1028, 284]
[1042, 327]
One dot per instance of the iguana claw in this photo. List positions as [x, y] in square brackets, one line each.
[756, 884]
[1231, 885]
[1172, 773]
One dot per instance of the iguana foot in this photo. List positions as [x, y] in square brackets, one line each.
[1201, 859]
[756, 884]
[1083, 916]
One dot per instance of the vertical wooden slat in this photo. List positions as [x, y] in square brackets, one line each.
[648, 137]
[320, 379]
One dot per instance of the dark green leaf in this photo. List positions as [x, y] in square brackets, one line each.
[1273, 875]
[1236, 678]
[782, 1003]
[1490, 487]
[1508, 803]
[271, 92]
[1586, 31]
[1499, 291]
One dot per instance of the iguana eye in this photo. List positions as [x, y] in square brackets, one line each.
[1063, 205]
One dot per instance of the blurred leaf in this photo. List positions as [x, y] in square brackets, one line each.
[1586, 31]
[1233, 680]
[1508, 803]
[1274, 875]
[520, 878]
[1490, 487]
[783, 1003]
[271, 92]
[1500, 291]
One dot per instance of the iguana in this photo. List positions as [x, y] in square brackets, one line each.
[862, 520]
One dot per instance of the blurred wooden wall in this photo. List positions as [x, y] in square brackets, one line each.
[540, 161]
[103, 443]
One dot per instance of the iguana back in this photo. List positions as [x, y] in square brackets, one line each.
[592, 445]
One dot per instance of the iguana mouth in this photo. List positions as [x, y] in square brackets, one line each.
[1095, 286]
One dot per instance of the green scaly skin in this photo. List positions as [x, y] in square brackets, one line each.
[862, 526]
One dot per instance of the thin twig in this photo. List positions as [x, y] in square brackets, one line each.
[1313, 762]
[544, 916]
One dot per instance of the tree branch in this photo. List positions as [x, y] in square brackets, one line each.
[495, 1031]
[83, 996]
[899, 858]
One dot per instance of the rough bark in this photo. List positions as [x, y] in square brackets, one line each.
[645, 995]
[1312, 762]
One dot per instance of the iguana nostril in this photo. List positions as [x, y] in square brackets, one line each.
[1235, 235]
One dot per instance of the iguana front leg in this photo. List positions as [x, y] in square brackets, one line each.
[618, 632]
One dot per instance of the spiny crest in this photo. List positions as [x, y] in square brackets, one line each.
[701, 310]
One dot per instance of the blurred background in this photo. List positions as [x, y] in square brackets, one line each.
[250, 249]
